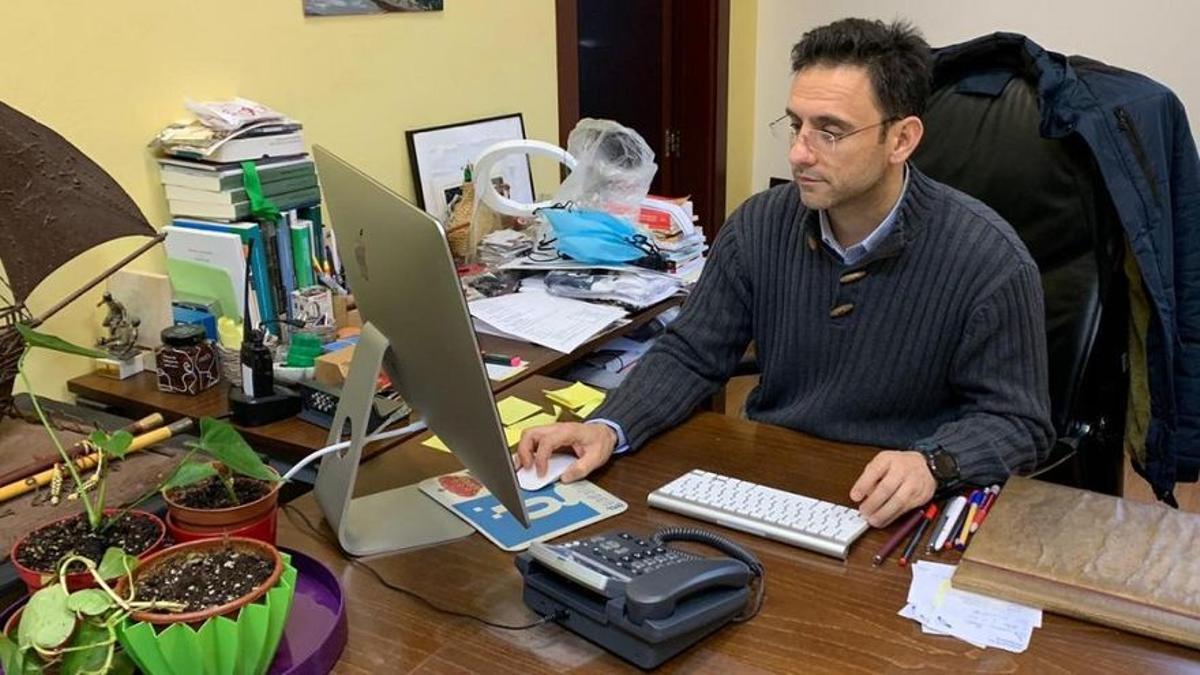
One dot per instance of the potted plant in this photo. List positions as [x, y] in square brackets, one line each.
[88, 535]
[233, 595]
[65, 631]
[234, 493]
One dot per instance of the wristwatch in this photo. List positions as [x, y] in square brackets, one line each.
[942, 465]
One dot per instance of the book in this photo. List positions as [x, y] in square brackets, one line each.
[287, 267]
[241, 210]
[215, 177]
[554, 510]
[219, 250]
[259, 276]
[234, 195]
[1091, 556]
[302, 253]
[245, 147]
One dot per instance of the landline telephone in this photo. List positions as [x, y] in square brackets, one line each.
[637, 597]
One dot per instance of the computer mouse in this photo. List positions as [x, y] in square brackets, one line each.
[529, 480]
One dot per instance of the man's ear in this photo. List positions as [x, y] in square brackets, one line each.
[906, 136]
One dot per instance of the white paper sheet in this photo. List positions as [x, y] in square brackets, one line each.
[978, 619]
[561, 324]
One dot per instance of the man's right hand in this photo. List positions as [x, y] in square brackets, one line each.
[592, 444]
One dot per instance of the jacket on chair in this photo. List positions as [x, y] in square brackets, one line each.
[1137, 131]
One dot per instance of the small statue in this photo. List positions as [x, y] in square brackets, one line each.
[121, 342]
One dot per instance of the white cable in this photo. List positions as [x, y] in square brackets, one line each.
[402, 431]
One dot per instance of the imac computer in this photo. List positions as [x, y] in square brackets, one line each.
[417, 329]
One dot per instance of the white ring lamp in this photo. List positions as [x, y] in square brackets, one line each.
[493, 154]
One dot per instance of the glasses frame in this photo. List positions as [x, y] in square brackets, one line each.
[828, 137]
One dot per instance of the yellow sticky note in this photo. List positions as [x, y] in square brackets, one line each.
[513, 409]
[575, 396]
[435, 443]
[589, 408]
[513, 432]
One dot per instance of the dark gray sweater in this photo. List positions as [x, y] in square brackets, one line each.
[938, 334]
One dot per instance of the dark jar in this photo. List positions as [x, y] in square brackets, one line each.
[187, 361]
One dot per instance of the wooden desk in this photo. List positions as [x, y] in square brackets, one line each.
[293, 438]
[820, 615]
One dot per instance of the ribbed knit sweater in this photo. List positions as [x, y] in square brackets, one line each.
[937, 335]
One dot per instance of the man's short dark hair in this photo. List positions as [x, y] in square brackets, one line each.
[895, 55]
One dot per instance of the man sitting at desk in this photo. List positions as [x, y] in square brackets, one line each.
[887, 309]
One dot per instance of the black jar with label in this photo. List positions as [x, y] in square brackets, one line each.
[187, 361]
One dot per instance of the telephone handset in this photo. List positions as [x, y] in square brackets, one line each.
[638, 597]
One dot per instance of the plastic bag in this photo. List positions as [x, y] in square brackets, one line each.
[614, 168]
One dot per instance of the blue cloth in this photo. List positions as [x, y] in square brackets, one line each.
[1137, 131]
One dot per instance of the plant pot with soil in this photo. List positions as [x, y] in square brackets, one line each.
[224, 496]
[36, 556]
[207, 578]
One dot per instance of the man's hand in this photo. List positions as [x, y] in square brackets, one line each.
[593, 444]
[894, 483]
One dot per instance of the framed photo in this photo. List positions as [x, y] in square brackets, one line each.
[336, 7]
[439, 154]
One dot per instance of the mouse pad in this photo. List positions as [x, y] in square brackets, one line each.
[554, 510]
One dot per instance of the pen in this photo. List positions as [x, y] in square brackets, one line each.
[890, 544]
[987, 507]
[953, 511]
[938, 525]
[965, 532]
[957, 529]
[927, 516]
[501, 359]
[988, 495]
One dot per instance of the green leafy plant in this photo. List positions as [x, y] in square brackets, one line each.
[76, 632]
[221, 442]
[110, 447]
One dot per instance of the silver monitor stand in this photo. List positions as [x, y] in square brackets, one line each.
[388, 521]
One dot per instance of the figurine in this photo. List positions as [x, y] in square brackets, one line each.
[121, 342]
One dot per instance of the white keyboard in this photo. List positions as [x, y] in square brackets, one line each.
[793, 519]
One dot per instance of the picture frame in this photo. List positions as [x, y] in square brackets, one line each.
[438, 154]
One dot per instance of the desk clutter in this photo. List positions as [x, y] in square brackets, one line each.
[578, 401]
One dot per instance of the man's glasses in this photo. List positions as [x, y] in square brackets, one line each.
[817, 140]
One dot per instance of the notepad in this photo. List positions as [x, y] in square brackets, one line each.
[513, 431]
[576, 396]
[513, 409]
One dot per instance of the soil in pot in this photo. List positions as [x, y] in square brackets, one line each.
[205, 578]
[211, 494]
[43, 548]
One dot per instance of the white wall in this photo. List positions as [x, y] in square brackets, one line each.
[1153, 37]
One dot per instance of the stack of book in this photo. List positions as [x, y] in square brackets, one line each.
[287, 255]
[672, 223]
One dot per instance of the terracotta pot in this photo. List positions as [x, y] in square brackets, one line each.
[200, 616]
[78, 580]
[263, 529]
[229, 518]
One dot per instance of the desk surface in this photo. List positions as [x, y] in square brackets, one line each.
[291, 438]
[821, 614]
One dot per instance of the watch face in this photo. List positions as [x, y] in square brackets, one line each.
[944, 466]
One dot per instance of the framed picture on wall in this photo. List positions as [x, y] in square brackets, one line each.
[336, 7]
[438, 156]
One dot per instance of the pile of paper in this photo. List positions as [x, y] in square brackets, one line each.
[977, 619]
[561, 324]
[502, 246]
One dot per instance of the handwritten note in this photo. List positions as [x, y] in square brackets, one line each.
[977, 619]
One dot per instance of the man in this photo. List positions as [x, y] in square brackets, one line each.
[887, 309]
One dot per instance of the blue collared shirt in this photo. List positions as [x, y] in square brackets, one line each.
[857, 252]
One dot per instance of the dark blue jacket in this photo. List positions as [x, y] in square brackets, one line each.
[1138, 132]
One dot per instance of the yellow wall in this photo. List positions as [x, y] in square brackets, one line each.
[739, 162]
[108, 75]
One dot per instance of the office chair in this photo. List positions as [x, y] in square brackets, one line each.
[982, 137]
